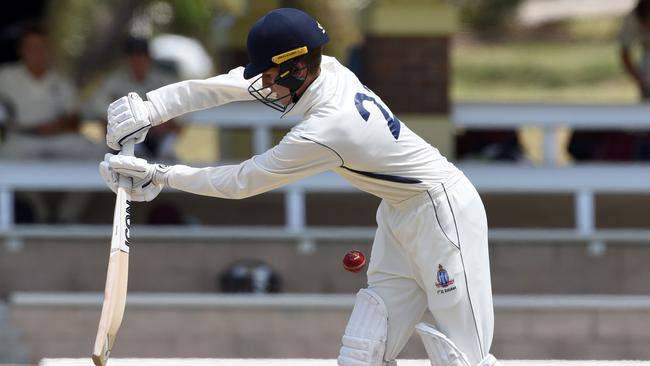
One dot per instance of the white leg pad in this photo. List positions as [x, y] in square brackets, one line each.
[441, 350]
[364, 342]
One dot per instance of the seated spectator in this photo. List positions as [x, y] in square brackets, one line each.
[44, 121]
[491, 145]
[587, 145]
[141, 75]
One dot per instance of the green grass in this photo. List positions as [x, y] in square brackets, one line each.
[582, 70]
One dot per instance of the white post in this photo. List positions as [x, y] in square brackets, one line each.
[261, 139]
[550, 145]
[294, 203]
[585, 215]
[586, 221]
[6, 208]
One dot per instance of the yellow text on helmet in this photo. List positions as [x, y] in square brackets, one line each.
[278, 59]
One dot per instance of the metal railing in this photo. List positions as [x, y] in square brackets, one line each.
[315, 301]
[550, 118]
[583, 181]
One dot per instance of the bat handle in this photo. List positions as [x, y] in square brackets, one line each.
[127, 150]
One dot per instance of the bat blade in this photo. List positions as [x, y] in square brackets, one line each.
[112, 308]
[117, 274]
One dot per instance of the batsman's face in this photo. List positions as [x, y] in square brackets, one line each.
[268, 81]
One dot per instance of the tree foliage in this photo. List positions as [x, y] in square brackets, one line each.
[489, 18]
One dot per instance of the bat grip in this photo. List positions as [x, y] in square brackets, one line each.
[127, 150]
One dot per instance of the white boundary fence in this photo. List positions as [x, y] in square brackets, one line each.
[583, 181]
[316, 301]
[551, 117]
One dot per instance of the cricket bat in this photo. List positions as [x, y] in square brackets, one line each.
[118, 271]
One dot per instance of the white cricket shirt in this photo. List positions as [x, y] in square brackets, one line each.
[345, 128]
[36, 101]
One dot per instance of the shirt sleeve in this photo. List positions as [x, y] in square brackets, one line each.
[192, 95]
[293, 158]
[67, 96]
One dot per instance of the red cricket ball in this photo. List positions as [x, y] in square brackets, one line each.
[354, 261]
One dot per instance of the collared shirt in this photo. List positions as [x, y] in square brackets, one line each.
[345, 128]
[36, 101]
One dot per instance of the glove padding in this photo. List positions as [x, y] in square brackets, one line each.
[148, 179]
[128, 118]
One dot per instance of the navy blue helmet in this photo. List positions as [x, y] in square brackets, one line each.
[281, 35]
[280, 38]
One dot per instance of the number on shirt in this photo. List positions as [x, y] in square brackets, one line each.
[393, 122]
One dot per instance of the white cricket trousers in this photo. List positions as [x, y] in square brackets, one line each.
[431, 251]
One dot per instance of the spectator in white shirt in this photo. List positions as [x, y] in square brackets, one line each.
[44, 122]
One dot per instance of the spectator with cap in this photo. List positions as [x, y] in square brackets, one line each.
[141, 74]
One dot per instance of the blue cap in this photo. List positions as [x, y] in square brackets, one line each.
[281, 35]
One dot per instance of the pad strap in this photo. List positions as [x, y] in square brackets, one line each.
[489, 360]
[441, 350]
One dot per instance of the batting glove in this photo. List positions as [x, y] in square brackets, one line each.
[148, 179]
[129, 118]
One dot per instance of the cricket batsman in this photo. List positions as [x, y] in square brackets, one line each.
[430, 250]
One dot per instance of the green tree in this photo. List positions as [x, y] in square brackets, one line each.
[88, 34]
[489, 18]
